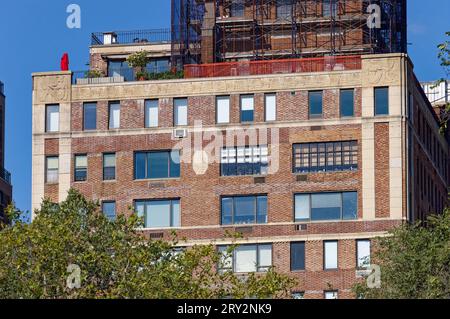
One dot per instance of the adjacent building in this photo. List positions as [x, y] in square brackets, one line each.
[309, 156]
[5, 176]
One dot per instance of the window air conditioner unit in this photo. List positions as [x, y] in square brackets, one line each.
[180, 133]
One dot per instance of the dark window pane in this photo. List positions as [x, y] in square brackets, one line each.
[284, 8]
[175, 164]
[109, 173]
[158, 165]
[350, 205]
[90, 116]
[227, 211]
[326, 206]
[297, 256]
[140, 165]
[347, 103]
[315, 104]
[262, 210]
[237, 8]
[80, 175]
[381, 101]
[247, 116]
[244, 210]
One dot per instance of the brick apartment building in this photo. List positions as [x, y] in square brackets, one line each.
[309, 158]
[5, 176]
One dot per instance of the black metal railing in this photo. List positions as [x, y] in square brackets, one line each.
[131, 37]
[5, 175]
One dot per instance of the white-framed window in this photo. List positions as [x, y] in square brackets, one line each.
[331, 294]
[52, 169]
[114, 115]
[246, 258]
[245, 160]
[330, 255]
[363, 248]
[180, 112]
[223, 109]
[109, 209]
[52, 118]
[159, 213]
[271, 107]
[151, 113]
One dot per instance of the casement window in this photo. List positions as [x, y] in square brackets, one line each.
[90, 116]
[157, 165]
[237, 8]
[284, 9]
[381, 101]
[330, 255]
[52, 170]
[109, 167]
[315, 104]
[325, 157]
[347, 101]
[52, 118]
[81, 165]
[363, 248]
[248, 160]
[151, 113]
[331, 294]
[246, 258]
[297, 256]
[159, 213]
[326, 206]
[114, 115]
[247, 108]
[109, 209]
[244, 210]
[271, 107]
[223, 109]
[180, 112]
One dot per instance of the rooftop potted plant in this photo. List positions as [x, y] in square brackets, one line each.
[138, 61]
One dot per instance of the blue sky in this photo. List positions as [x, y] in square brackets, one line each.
[33, 37]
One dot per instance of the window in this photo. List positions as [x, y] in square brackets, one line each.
[109, 167]
[237, 8]
[119, 68]
[330, 255]
[315, 104]
[347, 103]
[331, 294]
[90, 116]
[52, 118]
[109, 210]
[238, 161]
[114, 115]
[159, 213]
[223, 109]
[382, 101]
[247, 108]
[326, 206]
[246, 258]
[52, 169]
[157, 165]
[329, 8]
[151, 113]
[284, 9]
[244, 210]
[271, 107]
[80, 168]
[363, 253]
[181, 112]
[298, 295]
[297, 256]
[325, 157]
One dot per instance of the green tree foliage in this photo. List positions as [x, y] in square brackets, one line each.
[444, 58]
[414, 261]
[115, 259]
